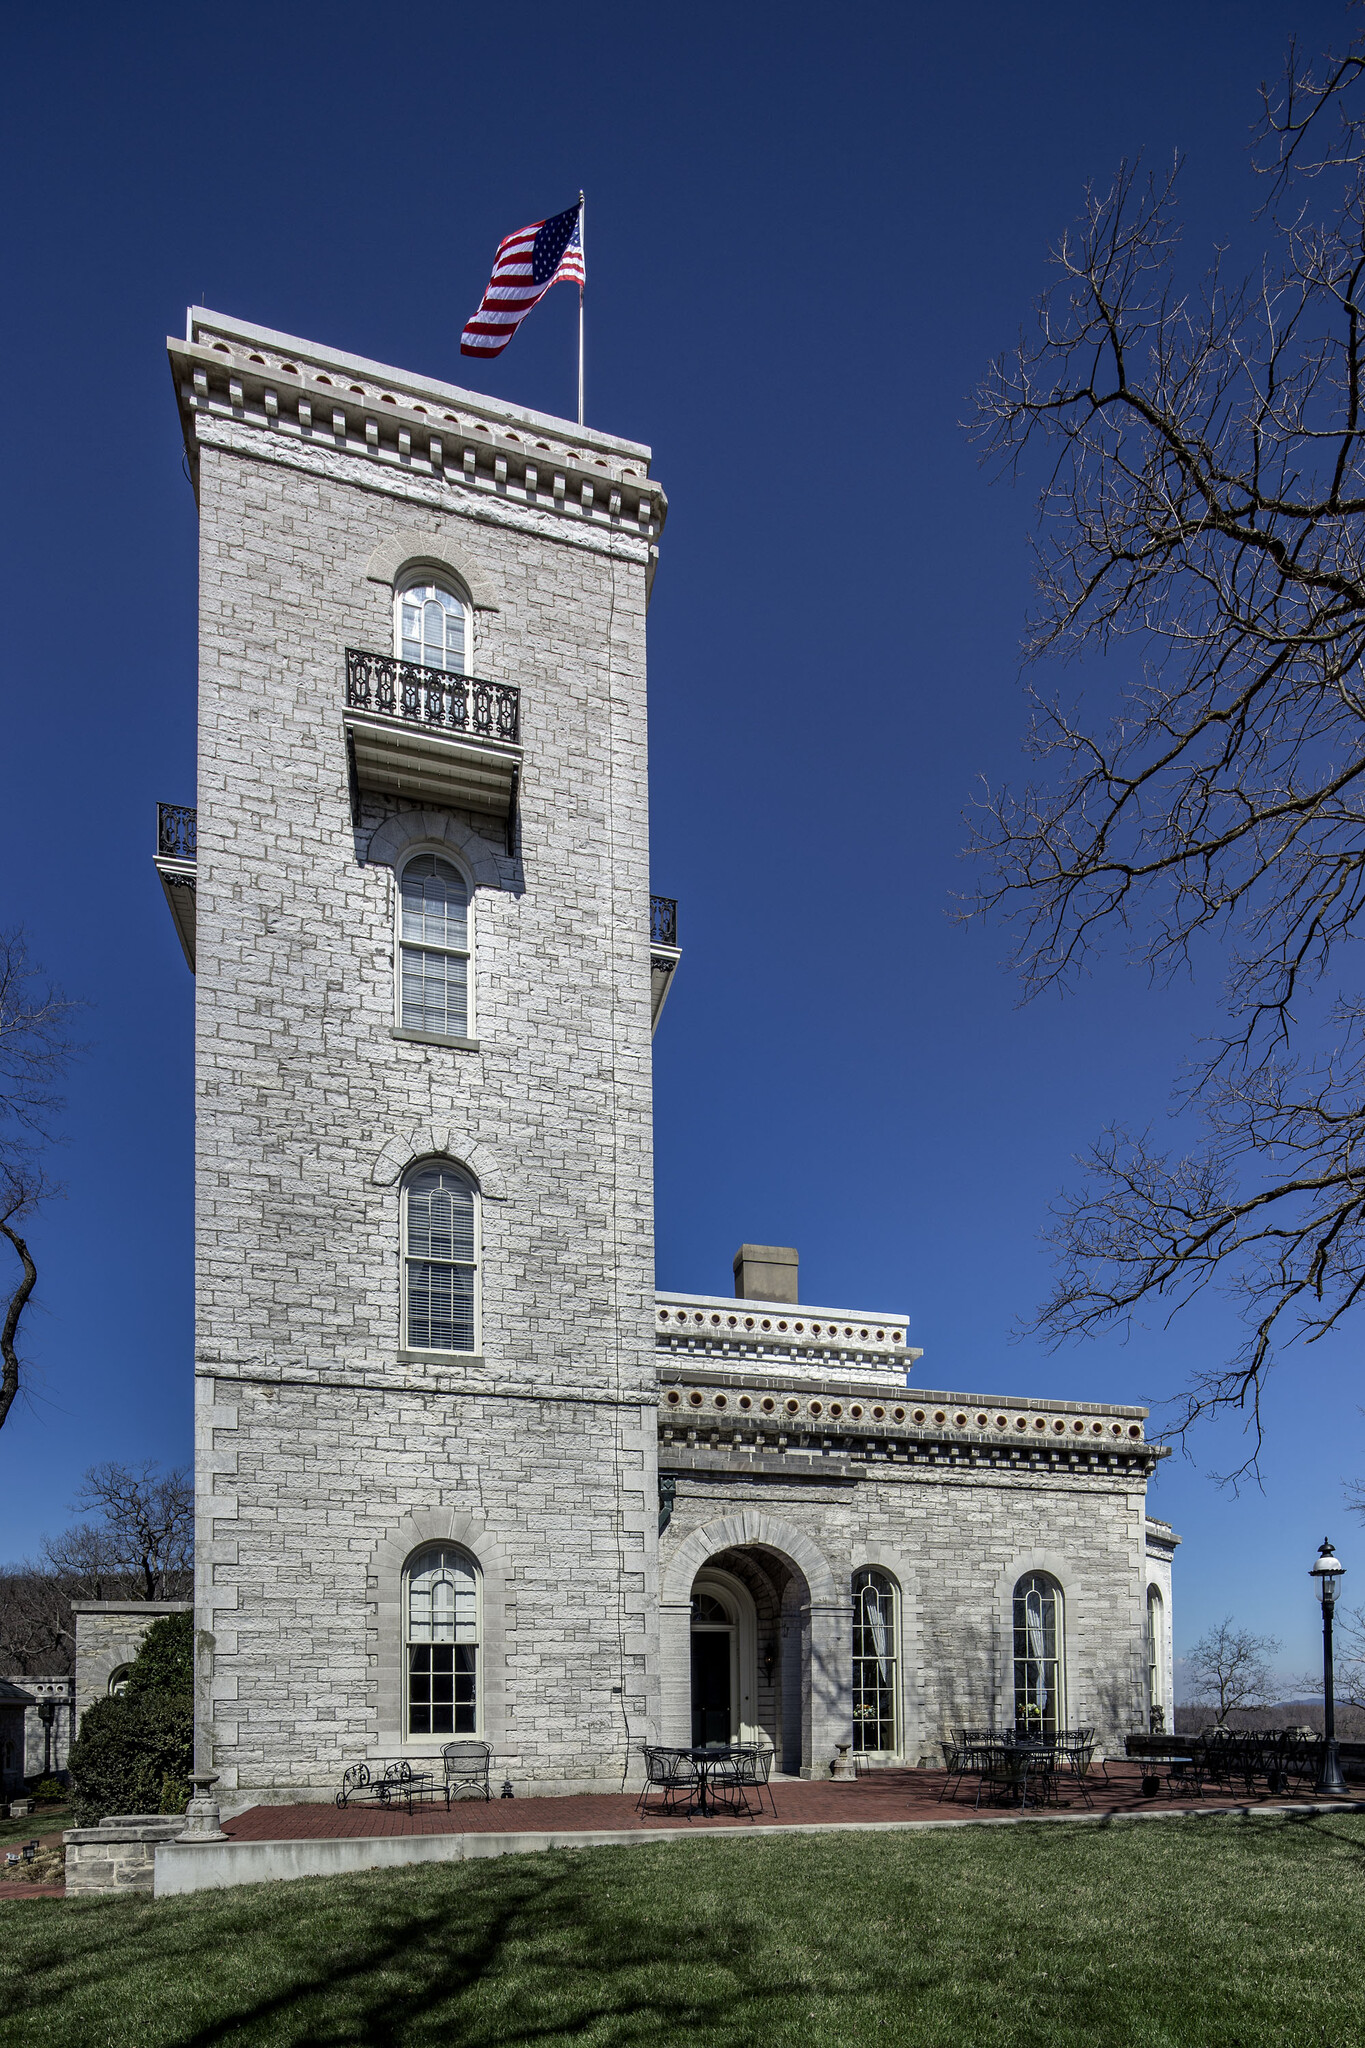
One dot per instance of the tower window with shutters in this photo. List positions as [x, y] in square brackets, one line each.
[440, 1259]
[433, 948]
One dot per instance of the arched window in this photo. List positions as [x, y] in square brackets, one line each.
[1039, 1669]
[433, 948]
[874, 1664]
[1156, 1701]
[440, 1259]
[441, 1640]
[431, 627]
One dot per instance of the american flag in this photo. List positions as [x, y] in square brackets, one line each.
[527, 264]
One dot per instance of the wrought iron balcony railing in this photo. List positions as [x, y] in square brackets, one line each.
[177, 832]
[663, 920]
[431, 698]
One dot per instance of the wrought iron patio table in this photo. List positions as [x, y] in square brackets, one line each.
[705, 1762]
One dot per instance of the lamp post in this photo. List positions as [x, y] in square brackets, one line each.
[47, 1714]
[1327, 1573]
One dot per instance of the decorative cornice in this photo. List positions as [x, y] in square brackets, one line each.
[308, 405]
[717, 1331]
[852, 1419]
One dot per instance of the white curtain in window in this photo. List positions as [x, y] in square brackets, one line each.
[431, 628]
[877, 1620]
[1036, 1625]
[442, 1598]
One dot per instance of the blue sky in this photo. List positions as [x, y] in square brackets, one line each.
[808, 230]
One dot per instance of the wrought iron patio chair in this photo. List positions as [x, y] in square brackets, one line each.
[671, 1776]
[739, 1783]
[1003, 1773]
[955, 1763]
[467, 1766]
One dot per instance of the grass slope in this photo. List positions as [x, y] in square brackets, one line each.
[1162, 1935]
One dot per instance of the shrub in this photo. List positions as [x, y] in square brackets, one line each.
[165, 1662]
[128, 1754]
[47, 1788]
[134, 1752]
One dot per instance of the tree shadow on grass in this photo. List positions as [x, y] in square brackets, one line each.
[496, 1959]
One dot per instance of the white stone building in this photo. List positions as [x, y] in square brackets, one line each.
[459, 1469]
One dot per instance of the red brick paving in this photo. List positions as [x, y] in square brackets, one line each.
[886, 1795]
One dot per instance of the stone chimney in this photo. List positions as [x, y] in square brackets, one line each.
[766, 1272]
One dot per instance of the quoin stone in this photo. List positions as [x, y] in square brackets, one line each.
[462, 1474]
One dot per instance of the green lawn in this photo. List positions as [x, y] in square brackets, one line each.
[42, 1821]
[1203, 1932]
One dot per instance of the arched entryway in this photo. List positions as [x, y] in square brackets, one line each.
[751, 1641]
[724, 1666]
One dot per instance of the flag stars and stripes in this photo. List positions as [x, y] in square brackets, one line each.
[528, 262]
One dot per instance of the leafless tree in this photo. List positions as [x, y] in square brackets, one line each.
[142, 1541]
[1229, 1668]
[37, 1633]
[34, 1051]
[1349, 1660]
[1202, 516]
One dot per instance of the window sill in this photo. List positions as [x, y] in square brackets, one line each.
[433, 1038]
[471, 1358]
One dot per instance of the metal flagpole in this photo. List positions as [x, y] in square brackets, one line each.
[582, 209]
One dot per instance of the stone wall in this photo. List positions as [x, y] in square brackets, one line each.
[318, 1438]
[61, 1691]
[120, 1854]
[954, 1543]
[108, 1636]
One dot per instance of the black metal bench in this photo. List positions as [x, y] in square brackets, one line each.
[391, 1783]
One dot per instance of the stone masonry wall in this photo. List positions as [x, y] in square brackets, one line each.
[316, 1437]
[109, 1635]
[955, 1544]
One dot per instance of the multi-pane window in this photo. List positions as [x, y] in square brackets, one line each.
[432, 628]
[1038, 1707]
[442, 1614]
[433, 948]
[440, 1259]
[874, 1663]
[1156, 1704]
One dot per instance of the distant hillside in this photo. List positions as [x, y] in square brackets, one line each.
[1284, 1714]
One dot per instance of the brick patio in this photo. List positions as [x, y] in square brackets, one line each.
[881, 1796]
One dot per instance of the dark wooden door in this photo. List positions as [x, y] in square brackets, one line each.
[710, 1686]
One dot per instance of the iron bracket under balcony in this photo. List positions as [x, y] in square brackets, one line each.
[176, 858]
[664, 954]
[432, 737]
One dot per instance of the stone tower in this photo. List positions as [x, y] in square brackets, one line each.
[420, 917]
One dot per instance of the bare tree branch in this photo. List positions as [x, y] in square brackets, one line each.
[35, 1048]
[1202, 516]
[1229, 1668]
[144, 1537]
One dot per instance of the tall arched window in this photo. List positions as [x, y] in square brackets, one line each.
[440, 1259]
[1039, 1665]
[431, 626]
[433, 948]
[875, 1689]
[441, 1640]
[1156, 1699]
